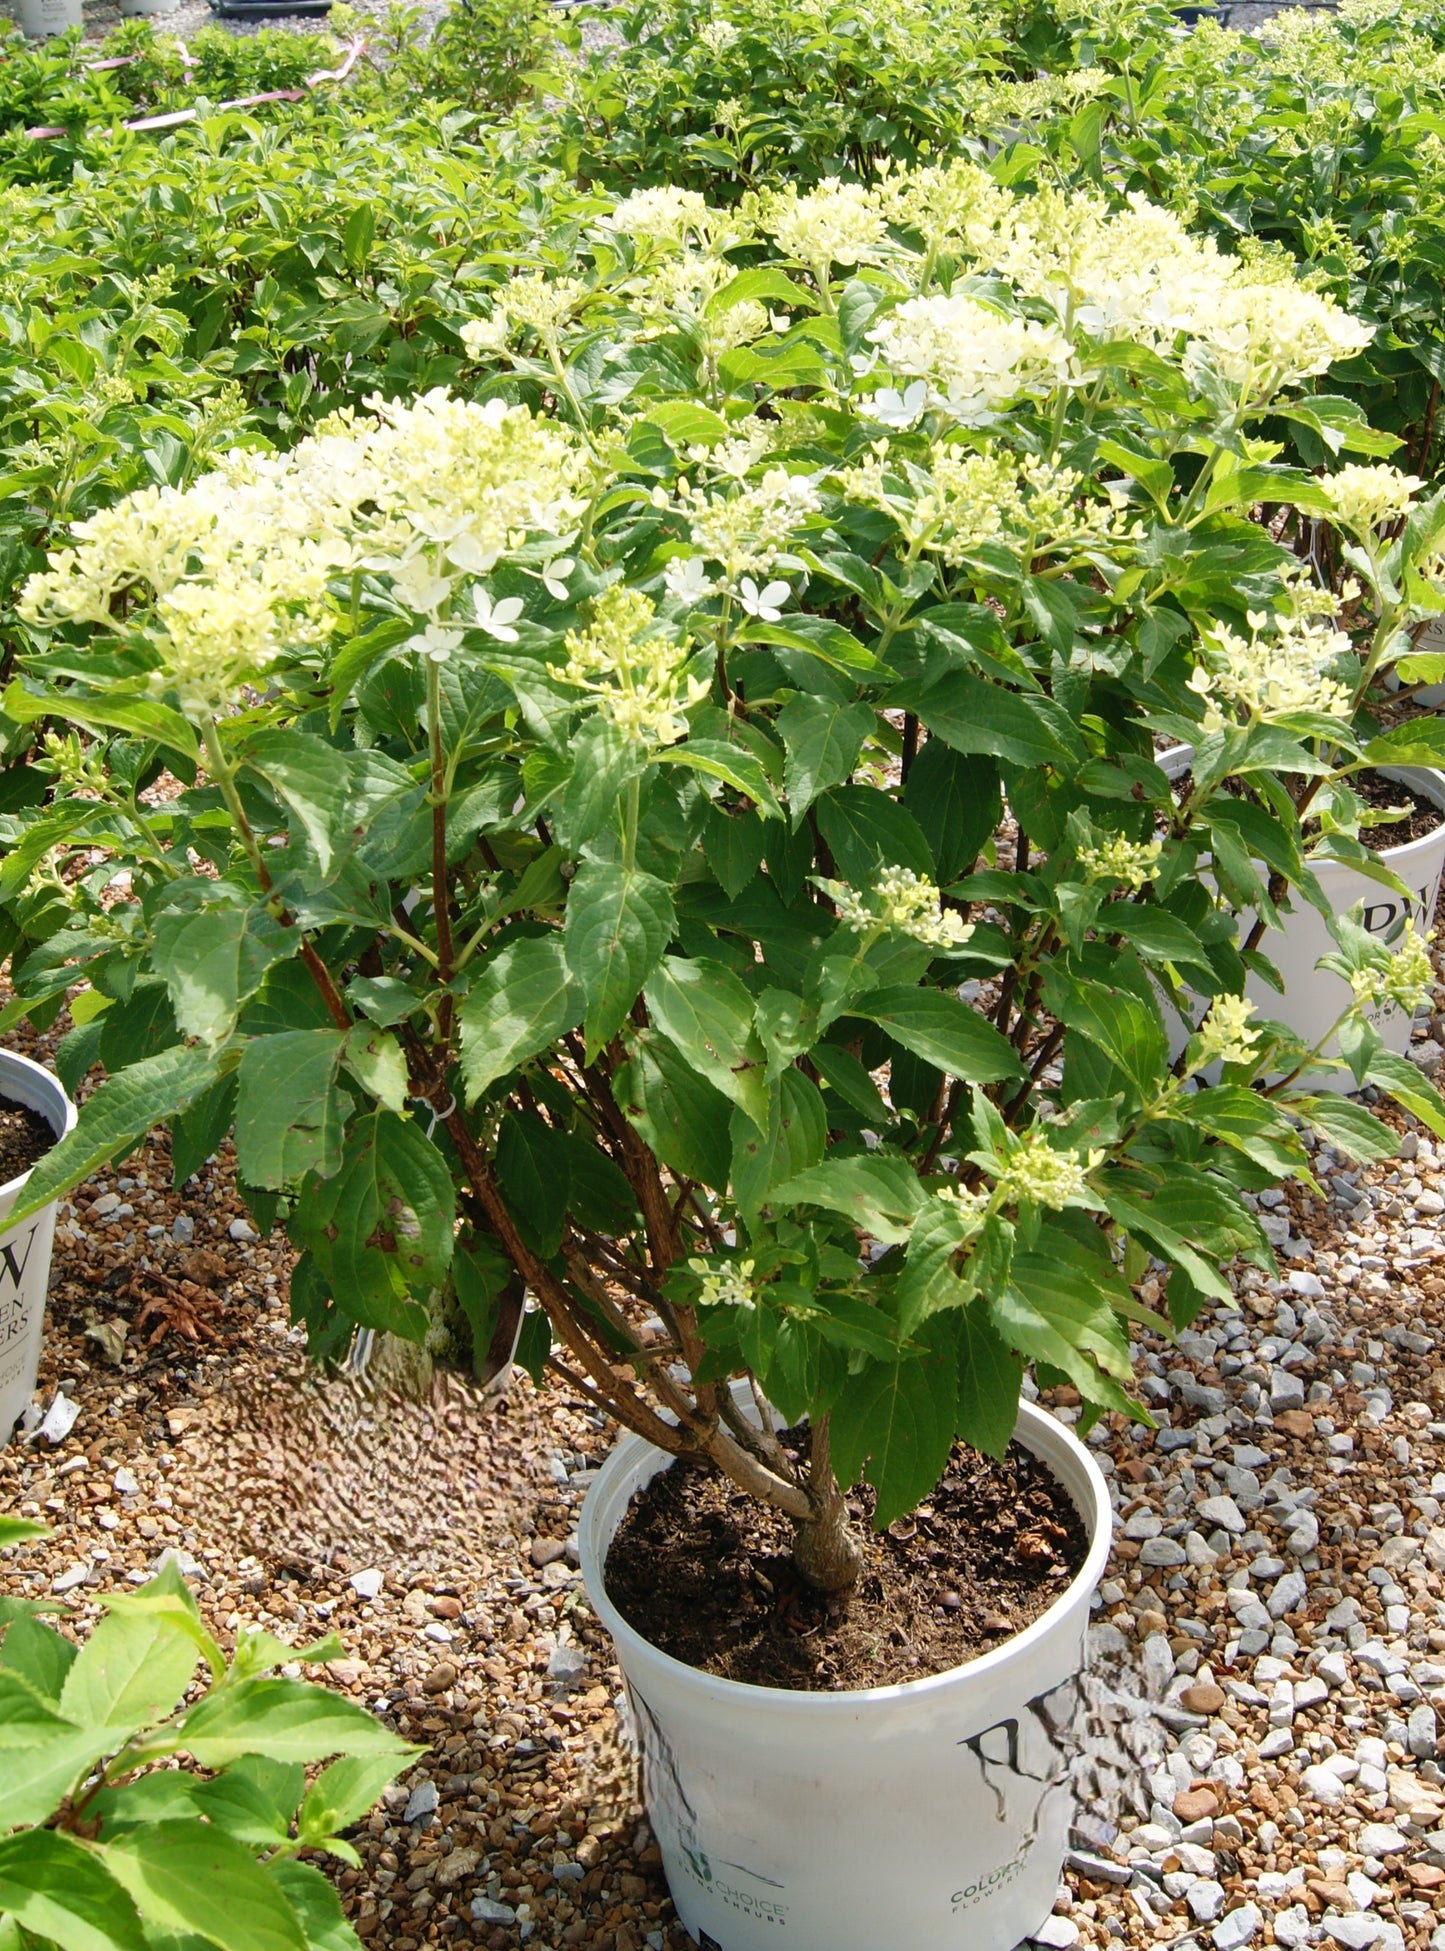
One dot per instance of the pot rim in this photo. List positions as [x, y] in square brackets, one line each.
[1033, 1422]
[12, 1061]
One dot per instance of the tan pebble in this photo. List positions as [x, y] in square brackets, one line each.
[1203, 1698]
[1194, 1804]
[1148, 1621]
[442, 1676]
[589, 1852]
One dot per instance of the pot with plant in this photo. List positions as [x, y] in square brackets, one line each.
[679, 836]
[35, 1112]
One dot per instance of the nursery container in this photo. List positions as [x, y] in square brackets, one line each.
[25, 1249]
[43, 19]
[1313, 998]
[149, 7]
[934, 1814]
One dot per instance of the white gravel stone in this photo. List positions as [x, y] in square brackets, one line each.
[1334, 1670]
[1223, 1514]
[367, 1585]
[423, 1801]
[1380, 1839]
[1239, 1928]
[1059, 1933]
[1205, 1900]
[1356, 1932]
[1293, 1927]
[1324, 1785]
[1423, 1733]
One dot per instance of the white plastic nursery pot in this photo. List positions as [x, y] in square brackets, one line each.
[25, 1249]
[148, 7]
[43, 19]
[1313, 999]
[934, 1814]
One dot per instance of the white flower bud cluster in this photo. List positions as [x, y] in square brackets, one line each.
[745, 532]
[904, 903]
[729, 1285]
[662, 215]
[836, 223]
[637, 676]
[1403, 975]
[1273, 677]
[1128, 863]
[1038, 1174]
[1366, 498]
[1225, 1036]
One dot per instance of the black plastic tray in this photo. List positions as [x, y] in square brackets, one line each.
[269, 9]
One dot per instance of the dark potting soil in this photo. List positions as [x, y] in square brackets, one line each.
[706, 1573]
[24, 1137]
[1424, 815]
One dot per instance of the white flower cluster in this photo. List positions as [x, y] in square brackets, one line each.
[1038, 1174]
[236, 568]
[1225, 1036]
[746, 531]
[1402, 975]
[837, 223]
[637, 676]
[977, 360]
[1365, 498]
[661, 215]
[1273, 677]
[728, 1285]
[1128, 863]
[903, 902]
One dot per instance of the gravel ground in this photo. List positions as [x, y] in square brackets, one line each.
[1263, 1752]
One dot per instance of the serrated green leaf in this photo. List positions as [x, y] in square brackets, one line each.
[381, 1228]
[284, 1720]
[213, 960]
[38, 1654]
[679, 1114]
[990, 1376]
[313, 780]
[934, 1025]
[703, 1008]
[822, 739]
[131, 1672]
[523, 1000]
[289, 1110]
[59, 1890]
[190, 1876]
[619, 922]
[796, 1134]
[115, 1119]
[879, 1193]
[894, 1423]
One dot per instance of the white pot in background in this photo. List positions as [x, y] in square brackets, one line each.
[933, 1815]
[147, 7]
[25, 1249]
[1313, 998]
[43, 19]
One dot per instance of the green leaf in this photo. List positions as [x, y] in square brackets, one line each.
[191, 1876]
[703, 1008]
[523, 1000]
[1129, 1030]
[239, 1806]
[733, 764]
[20, 1530]
[796, 1134]
[619, 922]
[535, 1174]
[841, 1071]
[1410, 1088]
[973, 715]
[289, 1110]
[989, 1378]
[934, 1025]
[1249, 1123]
[894, 1422]
[285, 1720]
[382, 1226]
[213, 960]
[733, 844]
[138, 717]
[822, 740]
[956, 800]
[316, 1903]
[879, 1193]
[314, 780]
[603, 760]
[928, 1282]
[131, 1672]
[1348, 1126]
[45, 1754]
[115, 1119]
[866, 829]
[38, 1654]
[58, 1889]
[378, 1064]
[1162, 936]
[679, 1114]
[344, 1792]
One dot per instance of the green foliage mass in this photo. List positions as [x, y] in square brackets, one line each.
[107, 1845]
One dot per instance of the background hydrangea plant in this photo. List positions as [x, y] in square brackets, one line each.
[680, 833]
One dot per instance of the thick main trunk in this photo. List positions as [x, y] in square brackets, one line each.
[827, 1553]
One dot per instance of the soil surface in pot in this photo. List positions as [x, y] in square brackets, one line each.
[1424, 816]
[25, 1137]
[706, 1574]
